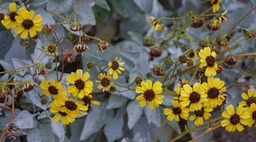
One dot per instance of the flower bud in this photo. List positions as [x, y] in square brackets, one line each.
[183, 59]
[138, 80]
[80, 47]
[231, 60]
[155, 52]
[158, 71]
[103, 45]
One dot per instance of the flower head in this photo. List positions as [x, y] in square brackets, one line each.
[233, 119]
[208, 60]
[29, 24]
[249, 98]
[193, 97]
[104, 81]
[81, 85]
[251, 111]
[115, 68]
[66, 109]
[52, 49]
[52, 88]
[176, 112]
[87, 100]
[9, 20]
[150, 93]
[200, 115]
[156, 24]
[216, 5]
[214, 88]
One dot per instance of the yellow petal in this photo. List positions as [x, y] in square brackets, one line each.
[12, 6]
[24, 34]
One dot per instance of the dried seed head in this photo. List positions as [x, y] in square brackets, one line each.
[76, 27]
[222, 40]
[48, 29]
[183, 59]
[248, 34]
[69, 56]
[138, 80]
[231, 60]
[213, 27]
[220, 68]
[103, 45]
[197, 23]
[41, 71]
[90, 65]
[80, 47]
[148, 42]
[24, 86]
[155, 52]
[158, 71]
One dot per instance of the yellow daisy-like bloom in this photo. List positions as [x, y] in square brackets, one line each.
[215, 5]
[115, 68]
[250, 98]
[87, 101]
[233, 120]
[29, 24]
[193, 97]
[9, 20]
[52, 88]
[81, 87]
[251, 111]
[156, 24]
[52, 49]
[220, 18]
[200, 115]
[208, 60]
[150, 93]
[176, 112]
[66, 109]
[104, 81]
[214, 88]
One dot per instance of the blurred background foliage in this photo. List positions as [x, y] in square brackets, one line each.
[124, 24]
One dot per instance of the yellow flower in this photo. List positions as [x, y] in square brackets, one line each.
[52, 88]
[29, 24]
[176, 112]
[52, 49]
[219, 19]
[9, 20]
[81, 86]
[87, 100]
[156, 24]
[200, 115]
[208, 59]
[251, 111]
[233, 120]
[250, 98]
[193, 97]
[104, 81]
[215, 5]
[214, 88]
[66, 109]
[150, 93]
[115, 68]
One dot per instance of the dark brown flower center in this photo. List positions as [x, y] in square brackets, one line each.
[254, 115]
[210, 60]
[213, 93]
[115, 65]
[27, 24]
[53, 90]
[199, 113]
[52, 48]
[194, 97]
[234, 119]
[12, 16]
[62, 113]
[1, 17]
[176, 110]
[79, 84]
[149, 95]
[215, 2]
[70, 105]
[87, 100]
[251, 100]
[105, 82]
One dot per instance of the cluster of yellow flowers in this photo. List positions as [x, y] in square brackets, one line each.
[23, 21]
[67, 107]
